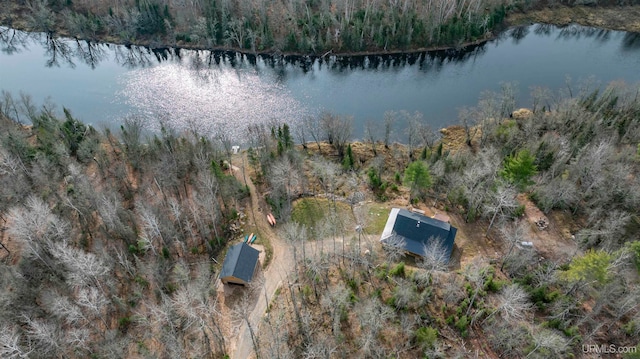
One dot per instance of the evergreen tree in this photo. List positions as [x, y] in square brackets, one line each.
[593, 266]
[519, 168]
[417, 177]
[348, 161]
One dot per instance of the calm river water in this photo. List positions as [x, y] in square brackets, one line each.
[102, 83]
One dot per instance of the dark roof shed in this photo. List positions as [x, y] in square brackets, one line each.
[239, 264]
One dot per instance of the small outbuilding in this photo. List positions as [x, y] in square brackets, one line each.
[416, 233]
[240, 264]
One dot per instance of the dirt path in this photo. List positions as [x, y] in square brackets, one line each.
[281, 263]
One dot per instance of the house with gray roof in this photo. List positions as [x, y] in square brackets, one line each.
[417, 233]
[239, 265]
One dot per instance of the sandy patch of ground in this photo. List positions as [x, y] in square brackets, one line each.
[472, 242]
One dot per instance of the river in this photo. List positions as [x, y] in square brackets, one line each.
[225, 91]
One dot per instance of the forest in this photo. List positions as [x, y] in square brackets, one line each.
[104, 232]
[112, 240]
[305, 27]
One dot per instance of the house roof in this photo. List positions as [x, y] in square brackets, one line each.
[240, 262]
[417, 231]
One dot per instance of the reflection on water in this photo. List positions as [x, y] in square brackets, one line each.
[12, 41]
[208, 99]
[66, 52]
[543, 29]
[214, 91]
[132, 57]
[58, 50]
[519, 33]
[631, 41]
[90, 53]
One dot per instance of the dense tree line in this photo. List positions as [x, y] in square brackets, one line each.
[310, 27]
[107, 238]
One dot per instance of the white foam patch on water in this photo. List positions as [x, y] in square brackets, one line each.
[188, 95]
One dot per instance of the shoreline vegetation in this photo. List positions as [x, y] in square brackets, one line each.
[315, 30]
[619, 18]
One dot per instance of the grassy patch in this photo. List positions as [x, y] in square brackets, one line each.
[377, 218]
[314, 212]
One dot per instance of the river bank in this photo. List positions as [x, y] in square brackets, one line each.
[622, 18]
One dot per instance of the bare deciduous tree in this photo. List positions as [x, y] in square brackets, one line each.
[512, 234]
[274, 341]
[477, 180]
[84, 268]
[313, 127]
[394, 246]
[371, 134]
[435, 255]
[11, 346]
[389, 120]
[507, 339]
[541, 96]
[503, 199]
[373, 316]
[337, 130]
[64, 309]
[452, 289]
[37, 228]
[547, 339]
[45, 335]
[295, 234]
[285, 179]
[414, 130]
[94, 301]
[468, 119]
[513, 304]
[403, 295]
[336, 302]
[557, 193]
[327, 174]
[322, 346]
